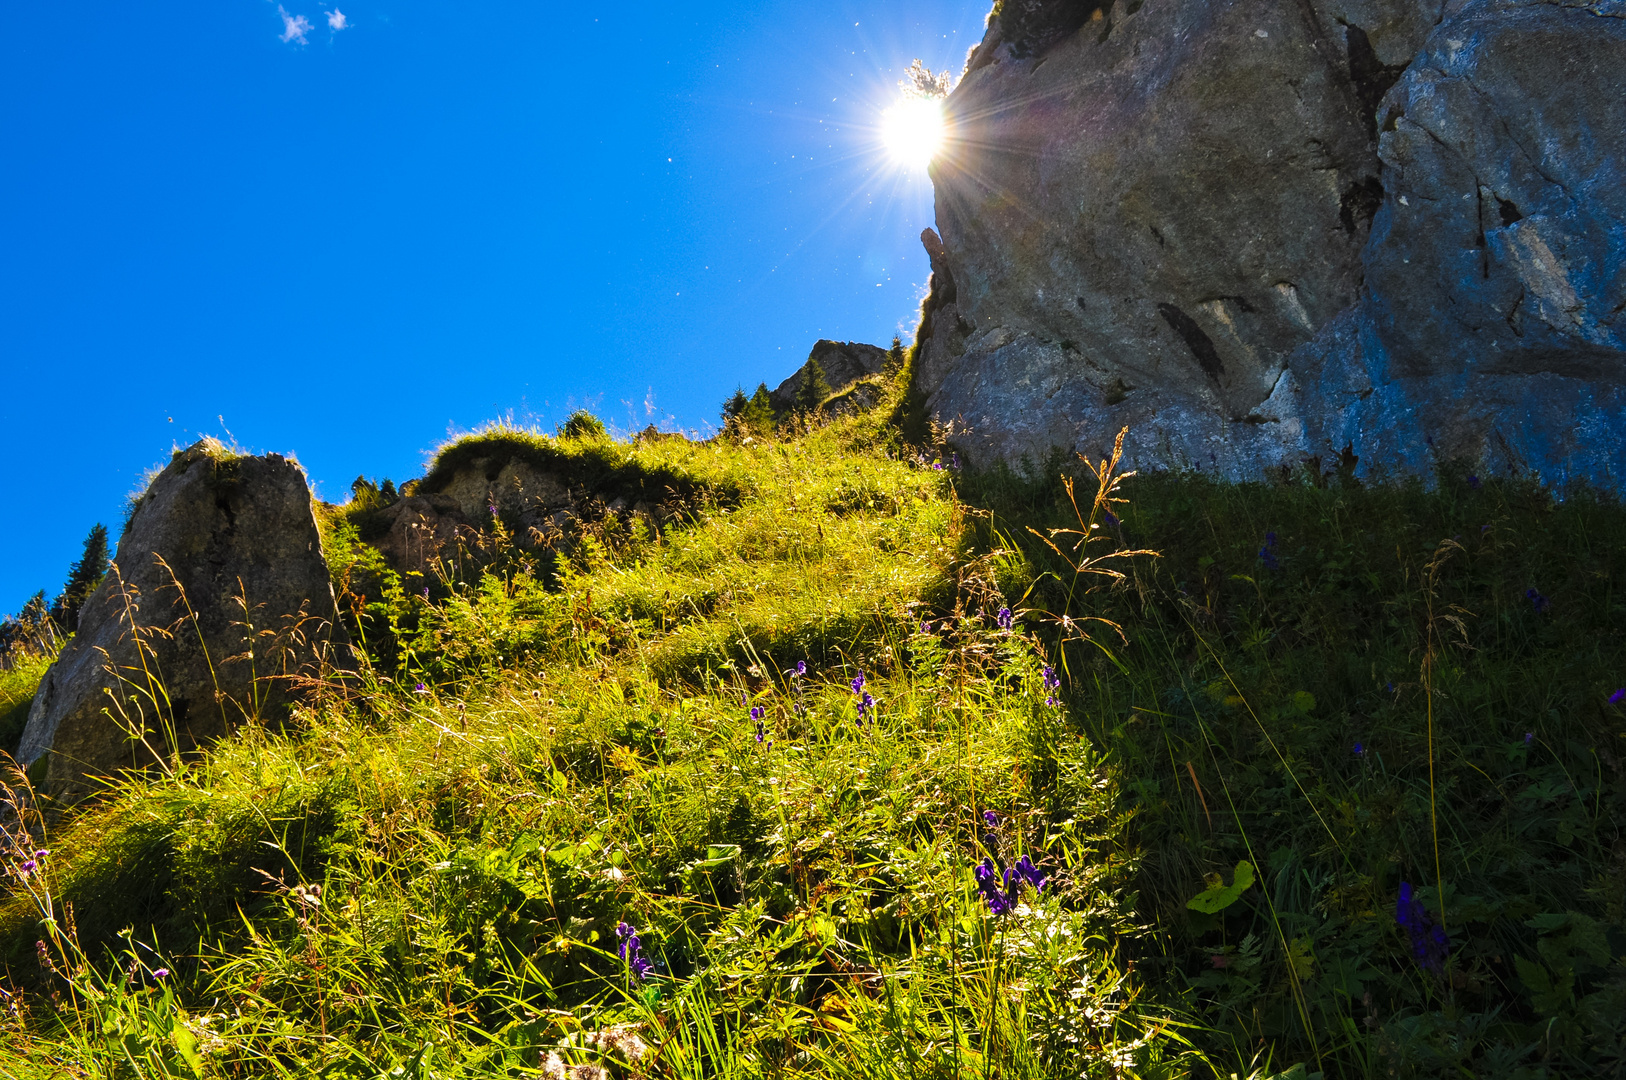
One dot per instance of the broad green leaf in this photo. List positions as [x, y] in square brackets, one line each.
[1219, 896]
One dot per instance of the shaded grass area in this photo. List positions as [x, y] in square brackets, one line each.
[1354, 689]
[1331, 685]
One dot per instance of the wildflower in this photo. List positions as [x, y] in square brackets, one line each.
[1429, 945]
[991, 818]
[1529, 737]
[1051, 679]
[420, 689]
[801, 668]
[1112, 519]
[1618, 696]
[426, 592]
[27, 868]
[938, 465]
[1267, 554]
[988, 884]
[1004, 618]
[1538, 601]
[631, 951]
[858, 683]
[1359, 750]
[866, 707]
[161, 973]
[954, 462]
[493, 509]
[757, 712]
[925, 627]
[1030, 874]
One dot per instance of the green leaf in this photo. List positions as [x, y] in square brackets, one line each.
[1219, 896]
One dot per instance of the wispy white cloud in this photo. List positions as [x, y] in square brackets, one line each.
[294, 27]
[336, 21]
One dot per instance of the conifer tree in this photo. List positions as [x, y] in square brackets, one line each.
[735, 405]
[83, 577]
[894, 358]
[759, 412]
[814, 389]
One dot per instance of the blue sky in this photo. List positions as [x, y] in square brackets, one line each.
[346, 237]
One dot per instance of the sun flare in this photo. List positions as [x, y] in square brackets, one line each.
[913, 130]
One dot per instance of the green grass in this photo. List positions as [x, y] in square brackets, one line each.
[582, 753]
[17, 686]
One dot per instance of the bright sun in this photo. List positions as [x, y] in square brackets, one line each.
[913, 130]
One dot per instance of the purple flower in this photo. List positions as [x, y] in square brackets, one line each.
[866, 707]
[801, 668]
[1112, 519]
[988, 883]
[1359, 750]
[925, 627]
[1473, 482]
[938, 465]
[1267, 554]
[493, 509]
[1529, 737]
[757, 712]
[420, 689]
[631, 951]
[1004, 618]
[1429, 945]
[1618, 696]
[1030, 874]
[28, 868]
[954, 462]
[991, 818]
[161, 973]
[41, 853]
[858, 683]
[1051, 679]
[1538, 601]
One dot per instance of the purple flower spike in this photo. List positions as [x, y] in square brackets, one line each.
[1429, 945]
[1359, 749]
[1618, 696]
[1004, 618]
[1051, 679]
[420, 689]
[1030, 874]
[988, 883]
[991, 818]
[161, 973]
[801, 668]
[631, 951]
[1538, 601]
[858, 683]
[757, 712]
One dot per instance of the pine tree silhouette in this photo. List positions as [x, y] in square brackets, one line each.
[83, 577]
[814, 389]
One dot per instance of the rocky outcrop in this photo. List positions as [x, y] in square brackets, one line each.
[843, 363]
[218, 610]
[1261, 233]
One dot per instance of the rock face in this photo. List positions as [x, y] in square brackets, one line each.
[843, 363]
[1261, 233]
[167, 648]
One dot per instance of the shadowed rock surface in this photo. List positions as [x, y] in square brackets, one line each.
[211, 531]
[1260, 233]
[843, 362]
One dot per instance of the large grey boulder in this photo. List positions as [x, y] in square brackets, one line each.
[217, 608]
[1205, 221]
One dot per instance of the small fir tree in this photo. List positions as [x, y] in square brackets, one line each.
[814, 388]
[758, 413]
[735, 405]
[83, 577]
[894, 358]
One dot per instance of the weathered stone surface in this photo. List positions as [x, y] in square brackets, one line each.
[220, 579]
[1183, 217]
[843, 362]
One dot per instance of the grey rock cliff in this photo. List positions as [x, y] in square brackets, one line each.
[1260, 233]
[843, 363]
[217, 606]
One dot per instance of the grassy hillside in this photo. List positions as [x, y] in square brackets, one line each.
[740, 795]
